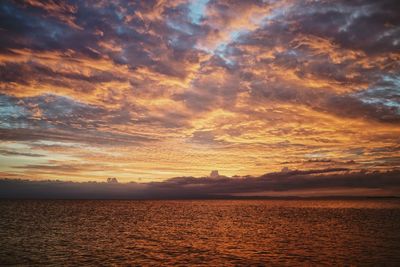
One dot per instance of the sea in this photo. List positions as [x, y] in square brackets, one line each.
[200, 232]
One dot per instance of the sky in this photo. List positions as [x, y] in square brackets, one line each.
[148, 90]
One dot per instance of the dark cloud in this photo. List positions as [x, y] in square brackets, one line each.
[50, 111]
[327, 43]
[83, 27]
[341, 105]
[28, 72]
[15, 153]
[349, 106]
[189, 187]
[78, 136]
[61, 167]
[346, 23]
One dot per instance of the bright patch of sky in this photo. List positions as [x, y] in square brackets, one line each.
[196, 10]
[10, 113]
[387, 94]
[9, 162]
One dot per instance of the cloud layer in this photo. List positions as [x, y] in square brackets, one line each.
[155, 89]
[313, 183]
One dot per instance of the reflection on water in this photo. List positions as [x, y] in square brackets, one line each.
[204, 232]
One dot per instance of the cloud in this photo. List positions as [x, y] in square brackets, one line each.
[281, 184]
[170, 88]
[15, 153]
[26, 134]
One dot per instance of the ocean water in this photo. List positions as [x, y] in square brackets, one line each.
[199, 233]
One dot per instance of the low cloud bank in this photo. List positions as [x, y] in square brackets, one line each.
[388, 183]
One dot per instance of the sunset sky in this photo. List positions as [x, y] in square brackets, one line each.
[149, 90]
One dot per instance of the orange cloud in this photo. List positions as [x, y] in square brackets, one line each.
[144, 91]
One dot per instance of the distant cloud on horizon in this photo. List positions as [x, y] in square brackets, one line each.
[326, 182]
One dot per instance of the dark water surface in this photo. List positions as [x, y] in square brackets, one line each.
[204, 232]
